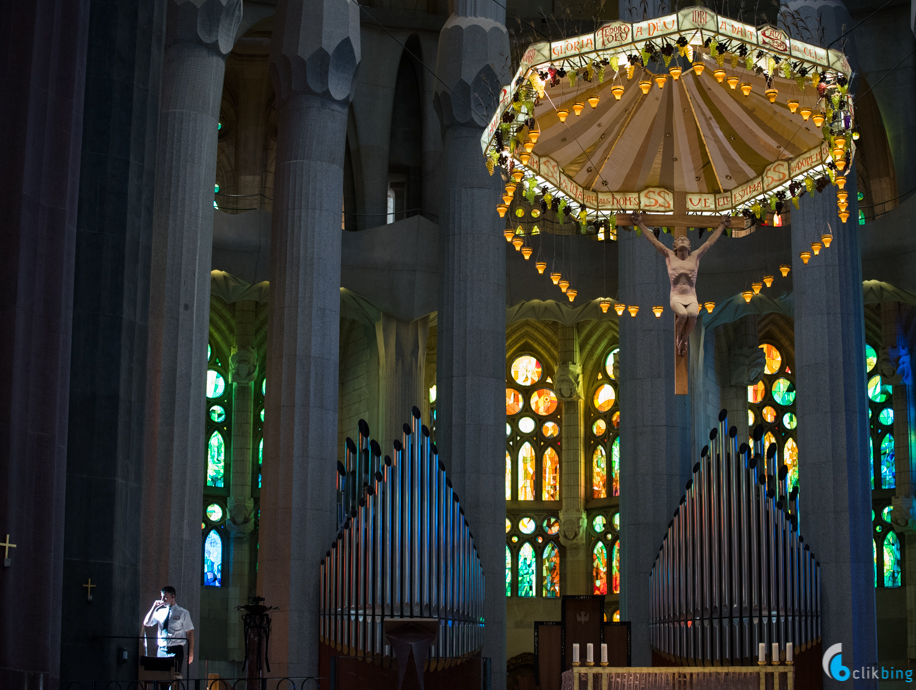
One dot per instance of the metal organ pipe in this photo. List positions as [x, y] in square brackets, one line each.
[733, 570]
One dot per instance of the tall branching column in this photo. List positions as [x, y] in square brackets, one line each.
[314, 54]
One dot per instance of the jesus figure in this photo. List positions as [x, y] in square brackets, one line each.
[682, 271]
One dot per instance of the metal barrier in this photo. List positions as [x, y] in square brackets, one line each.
[303, 683]
[694, 677]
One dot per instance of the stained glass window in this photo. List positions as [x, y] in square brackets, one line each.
[551, 485]
[871, 358]
[508, 525]
[756, 393]
[543, 402]
[216, 460]
[750, 418]
[598, 523]
[789, 420]
[526, 571]
[508, 571]
[513, 401]
[216, 384]
[550, 429]
[508, 429]
[617, 521]
[526, 425]
[526, 370]
[790, 458]
[526, 460]
[784, 392]
[214, 512]
[260, 460]
[769, 440]
[609, 362]
[218, 413]
[888, 472]
[886, 416]
[599, 427]
[773, 359]
[213, 560]
[885, 514]
[615, 568]
[615, 420]
[616, 617]
[550, 575]
[526, 525]
[615, 467]
[599, 472]
[432, 394]
[508, 476]
[768, 414]
[599, 569]
[604, 397]
[878, 392]
[874, 552]
[891, 560]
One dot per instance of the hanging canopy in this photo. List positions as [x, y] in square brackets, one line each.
[695, 142]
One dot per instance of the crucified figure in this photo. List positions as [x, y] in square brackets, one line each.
[682, 271]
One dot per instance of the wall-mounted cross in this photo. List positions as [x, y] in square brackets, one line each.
[89, 587]
[7, 561]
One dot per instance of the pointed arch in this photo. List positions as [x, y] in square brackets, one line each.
[550, 575]
[599, 569]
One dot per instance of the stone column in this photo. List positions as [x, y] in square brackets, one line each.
[199, 34]
[833, 468]
[314, 54]
[42, 117]
[573, 519]
[402, 371]
[655, 457]
[105, 445]
[471, 357]
[243, 372]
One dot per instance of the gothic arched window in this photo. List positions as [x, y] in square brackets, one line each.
[599, 569]
[217, 440]
[213, 559]
[771, 402]
[603, 423]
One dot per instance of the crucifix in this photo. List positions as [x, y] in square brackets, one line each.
[89, 587]
[682, 271]
[7, 561]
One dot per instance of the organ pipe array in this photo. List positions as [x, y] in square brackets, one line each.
[733, 571]
[403, 549]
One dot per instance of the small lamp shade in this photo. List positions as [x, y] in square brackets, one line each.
[571, 293]
[593, 101]
[768, 281]
[501, 210]
[784, 269]
[827, 239]
[709, 307]
[645, 85]
[805, 257]
[805, 112]
[840, 181]
[517, 242]
[562, 113]
[564, 286]
[844, 216]
[541, 266]
[675, 72]
[719, 75]
[518, 175]
[771, 95]
[633, 309]
[698, 67]
[660, 80]
[657, 310]
[747, 294]
[508, 233]
[533, 135]
[756, 287]
[617, 90]
[818, 118]
[527, 252]
[619, 308]
[555, 277]
[816, 248]
[746, 88]
[793, 105]
[578, 107]
[733, 82]
[605, 304]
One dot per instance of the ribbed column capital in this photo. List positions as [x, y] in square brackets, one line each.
[208, 23]
[315, 49]
[474, 64]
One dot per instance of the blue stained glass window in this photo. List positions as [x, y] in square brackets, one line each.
[508, 571]
[526, 564]
[213, 560]
[874, 552]
[260, 460]
[886, 417]
[891, 560]
[888, 472]
[216, 460]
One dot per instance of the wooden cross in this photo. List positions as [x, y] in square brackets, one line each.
[89, 587]
[6, 551]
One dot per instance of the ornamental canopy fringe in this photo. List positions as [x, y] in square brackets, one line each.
[649, 116]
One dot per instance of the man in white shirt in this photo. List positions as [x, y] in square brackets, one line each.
[176, 631]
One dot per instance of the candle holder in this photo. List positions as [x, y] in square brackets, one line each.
[604, 663]
[576, 664]
[790, 663]
[589, 663]
[775, 662]
[761, 663]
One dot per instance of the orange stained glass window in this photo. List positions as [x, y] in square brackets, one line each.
[550, 575]
[599, 569]
[616, 618]
[756, 394]
[550, 489]
[508, 476]
[615, 568]
[526, 459]
[769, 414]
[599, 473]
[543, 402]
[550, 429]
[526, 370]
[615, 419]
[790, 457]
[604, 398]
[599, 427]
[615, 467]
[513, 401]
[773, 359]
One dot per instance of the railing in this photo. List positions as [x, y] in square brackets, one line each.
[672, 677]
[280, 683]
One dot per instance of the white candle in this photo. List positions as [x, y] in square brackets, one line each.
[790, 651]
[603, 653]
[575, 653]
[590, 653]
[762, 653]
[775, 658]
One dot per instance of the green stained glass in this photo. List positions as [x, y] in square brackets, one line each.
[599, 472]
[218, 413]
[861, 217]
[877, 391]
[264, 386]
[886, 417]
[262, 414]
[789, 420]
[615, 467]
[615, 568]
[790, 458]
[886, 514]
[508, 571]
[550, 572]
[784, 392]
[599, 569]
[209, 352]
[888, 471]
[871, 358]
[598, 523]
[871, 465]
[216, 384]
[617, 521]
[891, 560]
[216, 189]
[216, 460]
[874, 550]
[526, 564]
[214, 512]
[260, 460]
